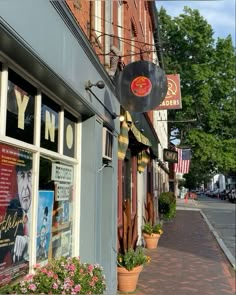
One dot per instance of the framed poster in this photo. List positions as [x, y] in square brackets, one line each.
[65, 243]
[15, 211]
[44, 225]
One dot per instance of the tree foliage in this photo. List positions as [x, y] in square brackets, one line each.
[207, 69]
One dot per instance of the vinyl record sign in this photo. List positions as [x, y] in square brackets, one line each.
[141, 86]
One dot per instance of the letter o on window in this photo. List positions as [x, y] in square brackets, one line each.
[69, 136]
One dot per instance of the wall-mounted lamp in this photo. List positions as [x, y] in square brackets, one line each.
[100, 84]
[121, 117]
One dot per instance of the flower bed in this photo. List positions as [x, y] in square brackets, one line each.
[61, 276]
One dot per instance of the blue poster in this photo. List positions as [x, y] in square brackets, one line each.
[44, 225]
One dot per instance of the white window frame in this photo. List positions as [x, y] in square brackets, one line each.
[37, 151]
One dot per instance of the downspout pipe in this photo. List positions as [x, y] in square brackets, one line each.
[157, 36]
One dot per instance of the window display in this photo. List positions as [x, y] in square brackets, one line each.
[55, 184]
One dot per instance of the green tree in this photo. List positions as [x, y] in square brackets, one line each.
[207, 71]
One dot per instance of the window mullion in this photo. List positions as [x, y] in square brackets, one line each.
[3, 100]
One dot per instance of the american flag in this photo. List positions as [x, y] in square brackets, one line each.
[183, 164]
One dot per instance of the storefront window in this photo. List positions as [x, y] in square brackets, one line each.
[15, 211]
[20, 108]
[49, 124]
[54, 209]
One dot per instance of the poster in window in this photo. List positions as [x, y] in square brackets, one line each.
[65, 243]
[56, 246]
[15, 211]
[44, 225]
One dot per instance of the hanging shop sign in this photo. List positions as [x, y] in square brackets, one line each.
[170, 156]
[141, 86]
[173, 95]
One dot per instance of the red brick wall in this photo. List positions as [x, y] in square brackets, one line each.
[84, 13]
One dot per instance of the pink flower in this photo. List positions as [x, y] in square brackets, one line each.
[92, 284]
[50, 273]
[37, 265]
[90, 267]
[44, 270]
[32, 287]
[71, 267]
[55, 286]
[81, 270]
[77, 288]
[29, 277]
[95, 279]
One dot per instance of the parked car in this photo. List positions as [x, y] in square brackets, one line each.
[216, 193]
[224, 194]
[232, 196]
[208, 193]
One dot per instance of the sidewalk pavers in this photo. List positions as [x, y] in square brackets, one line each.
[188, 259]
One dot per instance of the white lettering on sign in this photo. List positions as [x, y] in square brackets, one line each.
[49, 126]
[22, 104]
[69, 136]
[62, 173]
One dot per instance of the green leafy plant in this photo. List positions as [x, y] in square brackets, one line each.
[129, 254]
[132, 258]
[152, 229]
[61, 276]
[167, 205]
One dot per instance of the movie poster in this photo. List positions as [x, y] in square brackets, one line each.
[15, 209]
[44, 225]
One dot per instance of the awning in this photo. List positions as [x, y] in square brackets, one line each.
[143, 122]
[123, 139]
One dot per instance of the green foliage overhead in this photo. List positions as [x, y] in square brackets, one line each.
[207, 69]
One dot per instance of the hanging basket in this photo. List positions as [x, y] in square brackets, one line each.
[127, 280]
[151, 241]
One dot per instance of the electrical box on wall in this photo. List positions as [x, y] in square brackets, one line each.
[107, 145]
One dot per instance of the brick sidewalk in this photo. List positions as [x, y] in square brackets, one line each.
[187, 261]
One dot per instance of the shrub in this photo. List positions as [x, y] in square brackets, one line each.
[167, 205]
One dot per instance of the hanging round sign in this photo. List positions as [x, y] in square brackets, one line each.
[141, 86]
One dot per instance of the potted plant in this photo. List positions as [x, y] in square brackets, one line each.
[151, 230]
[151, 234]
[130, 257]
[61, 276]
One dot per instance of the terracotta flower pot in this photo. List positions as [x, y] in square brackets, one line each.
[127, 280]
[151, 241]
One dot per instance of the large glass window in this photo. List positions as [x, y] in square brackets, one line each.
[54, 209]
[20, 108]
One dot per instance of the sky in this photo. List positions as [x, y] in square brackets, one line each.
[220, 14]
